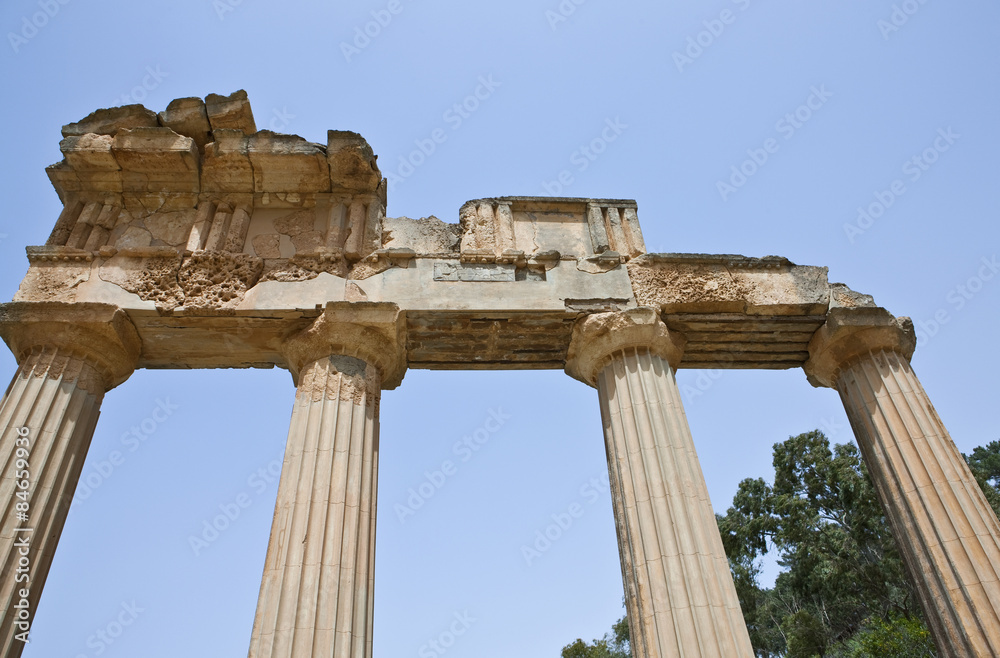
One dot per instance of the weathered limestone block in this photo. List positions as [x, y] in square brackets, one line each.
[614, 226]
[50, 278]
[230, 112]
[427, 235]
[150, 273]
[217, 279]
[843, 297]
[188, 117]
[226, 167]
[679, 592]
[946, 531]
[157, 159]
[80, 233]
[109, 121]
[296, 222]
[266, 245]
[67, 220]
[352, 163]
[702, 283]
[132, 237]
[487, 230]
[287, 163]
[170, 228]
[92, 162]
[303, 267]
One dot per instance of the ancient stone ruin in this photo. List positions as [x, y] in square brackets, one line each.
[189, 239]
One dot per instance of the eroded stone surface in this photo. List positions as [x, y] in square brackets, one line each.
[217, 280]
[428, 235]
[151, 278]
[305, 267]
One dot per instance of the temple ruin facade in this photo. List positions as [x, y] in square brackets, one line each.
[189, 239]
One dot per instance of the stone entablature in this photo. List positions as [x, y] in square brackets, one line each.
[193, 222]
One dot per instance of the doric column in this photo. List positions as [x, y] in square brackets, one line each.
[945, 529]
[68, 357]
[679, 591]
[316, 596]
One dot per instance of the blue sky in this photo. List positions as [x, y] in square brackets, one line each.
[839, 96]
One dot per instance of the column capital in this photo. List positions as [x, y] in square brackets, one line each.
[598, 336]
[374, 332]
[850, 333]
[100, 334]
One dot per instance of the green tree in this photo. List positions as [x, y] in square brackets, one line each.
[841, 565]
[898, 637]
[613, 645]
[843, 591]
[985, 466]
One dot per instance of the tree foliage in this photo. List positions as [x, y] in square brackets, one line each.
[613, 645]
[985, 466]
[843, 590]
[841, 565]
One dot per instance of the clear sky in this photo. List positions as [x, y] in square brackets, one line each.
[694, 90]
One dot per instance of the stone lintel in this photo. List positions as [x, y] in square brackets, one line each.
[102, 334]
[849, 334]
[598, 336]
[371, 331]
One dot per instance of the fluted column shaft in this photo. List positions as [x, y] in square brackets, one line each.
[316, 595]
[945, 528]
[678, 585]
[69, 356]
[679, 591]
[48, 416]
